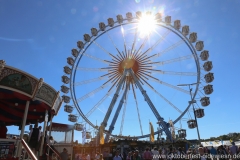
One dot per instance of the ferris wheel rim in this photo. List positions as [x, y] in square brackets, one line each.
[126, 22]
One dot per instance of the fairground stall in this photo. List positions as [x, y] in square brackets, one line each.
[24, 100]
[63, 135]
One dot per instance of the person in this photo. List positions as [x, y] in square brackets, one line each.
[170, 154]
[201, 152]
[105, 155]
[129, 156]
[213, 153]
[64, 154]
[97, 156]
[155, 153]
[3, 130]
[34, 138]
[51, 144]
[88, 156]
[233, 150]
[117, 156]
[147, 155]
[54, 156]
[181, 153]
[136, 156]
[222, 153]
[101, 157]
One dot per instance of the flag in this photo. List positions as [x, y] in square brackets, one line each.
[101, 134]
[84, 135]
[151, 132]
[231, 140]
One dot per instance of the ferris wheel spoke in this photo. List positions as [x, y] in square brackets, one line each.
[139, 78]
[90, 81]
[111, 78]
[92, 93]
[165, 99]
[115, 82]
[140, 59]
[166, 84]
[105, 51]
[134, 42]
[125, 47]
[121, 58]
[124, 111]
[139, 118]
[111, 62]
[147, 59]
[168, 49]
[155, 44]
[109, 74]
[95, 58]
[160, 63]
[94, 69]
[171, 72]
[137, 53]
[99, 103]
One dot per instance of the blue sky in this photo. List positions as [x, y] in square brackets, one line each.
[37, 37]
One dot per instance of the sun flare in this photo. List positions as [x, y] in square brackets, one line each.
[147, 24]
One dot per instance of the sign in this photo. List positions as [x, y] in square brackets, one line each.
[6, 149]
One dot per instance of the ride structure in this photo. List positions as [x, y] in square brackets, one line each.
[25, 100]
[137, 62]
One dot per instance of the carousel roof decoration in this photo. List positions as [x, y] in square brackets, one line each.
[16, 88]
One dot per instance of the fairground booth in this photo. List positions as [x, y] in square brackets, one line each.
[63, 135]
[24, 100]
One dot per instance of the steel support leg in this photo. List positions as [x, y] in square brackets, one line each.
[111, 127]
[164, 125]
[109, 111]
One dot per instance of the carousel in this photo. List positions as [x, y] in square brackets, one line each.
[25, 100]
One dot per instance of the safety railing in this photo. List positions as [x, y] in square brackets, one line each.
[26, 152]
[54, 152]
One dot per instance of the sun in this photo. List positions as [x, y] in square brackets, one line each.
[146, 24]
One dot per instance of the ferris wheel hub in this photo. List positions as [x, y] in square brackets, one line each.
[128, 63]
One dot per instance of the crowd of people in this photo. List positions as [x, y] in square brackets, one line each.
[222, 152]
[200, 153]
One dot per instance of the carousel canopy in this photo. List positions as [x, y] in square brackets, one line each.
[18, 87]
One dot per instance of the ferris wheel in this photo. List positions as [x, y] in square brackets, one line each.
[128, 70]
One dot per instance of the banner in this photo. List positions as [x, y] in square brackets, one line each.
[101, 135]
[151, 132]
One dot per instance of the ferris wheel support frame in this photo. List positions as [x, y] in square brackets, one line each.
[164, 125]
